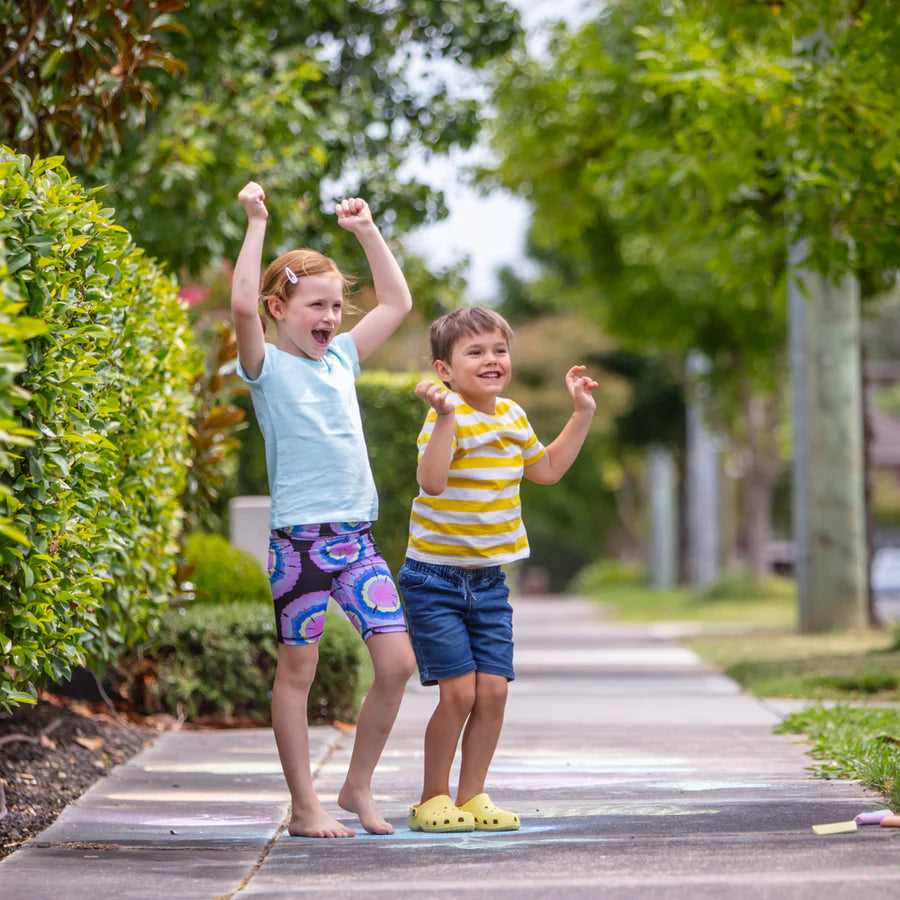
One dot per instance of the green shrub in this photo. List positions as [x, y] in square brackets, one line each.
[603, 573]
[89, 512]
[223, 573]
[220, 662]
[747, 587]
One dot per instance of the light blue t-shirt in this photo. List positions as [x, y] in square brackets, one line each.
[316, 456]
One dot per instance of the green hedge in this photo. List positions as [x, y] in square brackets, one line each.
[222, 573]
[219, 661]
[97, 365]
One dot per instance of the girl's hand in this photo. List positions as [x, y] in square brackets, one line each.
[436, 396]
[252, 198]
[581, 388]
[354, 214]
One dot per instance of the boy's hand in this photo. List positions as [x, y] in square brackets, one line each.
[436, 396]
[354, 214]
[581, 388]
[253, 198]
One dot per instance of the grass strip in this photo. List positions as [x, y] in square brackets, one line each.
[862, 665]
[769, 602]
[853, 742]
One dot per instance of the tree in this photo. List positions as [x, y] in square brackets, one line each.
[75, 77]
[633, 232]
[693, 133]
[311, 100]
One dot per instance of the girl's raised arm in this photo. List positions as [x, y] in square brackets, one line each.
[391, 291]
[248, 328]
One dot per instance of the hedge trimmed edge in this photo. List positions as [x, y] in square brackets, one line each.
[96, 366]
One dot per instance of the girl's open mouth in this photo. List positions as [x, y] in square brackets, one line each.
[321, 336]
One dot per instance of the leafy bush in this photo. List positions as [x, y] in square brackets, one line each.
[605, 573]
[220, 662]
[223, 573]
[748, 587]
[89, 512]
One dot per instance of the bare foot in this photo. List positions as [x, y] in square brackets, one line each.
[362, 803]
[317, 823]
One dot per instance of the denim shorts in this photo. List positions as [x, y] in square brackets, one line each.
[459, 620]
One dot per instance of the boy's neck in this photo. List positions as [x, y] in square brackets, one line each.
[486, 405]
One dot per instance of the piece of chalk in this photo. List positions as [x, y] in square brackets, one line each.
[890, 822]
[873, 817]
[836, 827]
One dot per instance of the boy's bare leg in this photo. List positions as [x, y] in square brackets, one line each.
[443, 731]
[482, 733]
[295, 673]
[393, 661]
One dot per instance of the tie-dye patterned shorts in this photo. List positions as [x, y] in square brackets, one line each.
[310, 563]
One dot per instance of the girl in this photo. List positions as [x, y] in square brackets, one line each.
[322, 491]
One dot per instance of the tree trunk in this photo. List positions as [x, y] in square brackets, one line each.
[833, 544]
[762, 416]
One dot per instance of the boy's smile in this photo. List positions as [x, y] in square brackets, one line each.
[479, 369]
[310, 319]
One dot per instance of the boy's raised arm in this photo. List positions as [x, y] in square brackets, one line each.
[434, 466]
[248, 330]
[391, 290]
[563, 451]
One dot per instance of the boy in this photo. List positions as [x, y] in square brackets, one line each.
[465, 524]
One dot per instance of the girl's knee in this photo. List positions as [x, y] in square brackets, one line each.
[392, 658]
[296, 667]
[396, 670]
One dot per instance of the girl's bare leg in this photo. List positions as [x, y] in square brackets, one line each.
[443, 731]
[295, 673]
[482, 733]
[393, 661]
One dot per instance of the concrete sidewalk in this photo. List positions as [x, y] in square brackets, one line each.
[635, 769]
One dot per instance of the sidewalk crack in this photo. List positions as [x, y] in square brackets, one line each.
[333, 747]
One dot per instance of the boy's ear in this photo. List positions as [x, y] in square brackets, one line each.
[442, 370]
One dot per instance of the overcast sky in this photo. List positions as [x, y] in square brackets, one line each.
[489, 230]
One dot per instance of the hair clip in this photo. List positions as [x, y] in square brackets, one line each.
[291, 277]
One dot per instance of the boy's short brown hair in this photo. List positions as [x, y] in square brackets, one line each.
[448, 329]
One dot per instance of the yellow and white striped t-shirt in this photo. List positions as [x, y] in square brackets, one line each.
[477, 520]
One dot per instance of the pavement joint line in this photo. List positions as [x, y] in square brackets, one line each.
[332, 748]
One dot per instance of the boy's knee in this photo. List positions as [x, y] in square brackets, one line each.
[491, 692]
[459, 697]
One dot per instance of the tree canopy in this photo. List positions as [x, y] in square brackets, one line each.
[311, 100]
[172, 106]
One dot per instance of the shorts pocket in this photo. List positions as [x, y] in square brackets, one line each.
[413, 579]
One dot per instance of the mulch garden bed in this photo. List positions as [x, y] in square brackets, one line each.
[51, 753]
